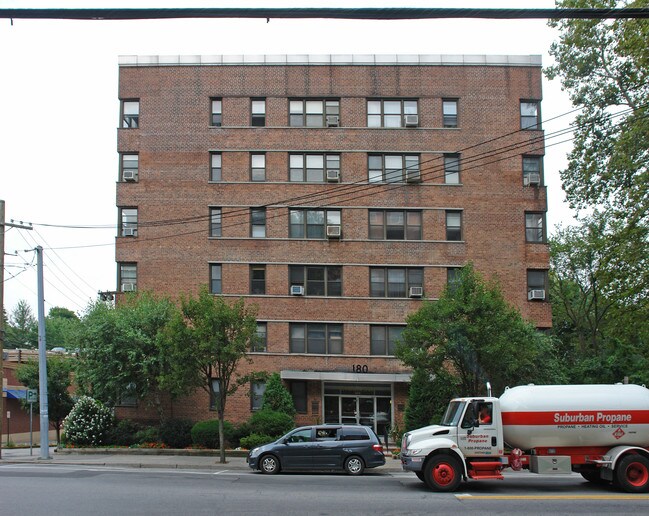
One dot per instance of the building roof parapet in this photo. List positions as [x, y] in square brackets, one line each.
[333, 59]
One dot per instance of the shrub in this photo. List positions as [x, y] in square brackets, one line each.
[150, 434]
[123, 434]
[206, 433]
[277, 397]
[270, 422]
[176, 433]
[88, 423]
[254, 440]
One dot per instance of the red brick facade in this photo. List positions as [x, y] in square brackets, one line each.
[174, 139]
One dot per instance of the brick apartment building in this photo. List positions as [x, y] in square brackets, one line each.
[334, 192]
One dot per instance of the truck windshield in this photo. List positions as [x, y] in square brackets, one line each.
[453, 413]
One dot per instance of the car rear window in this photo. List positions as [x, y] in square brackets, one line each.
[354, 434]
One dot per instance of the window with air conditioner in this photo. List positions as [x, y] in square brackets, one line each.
[392, 113]
[127, 277]
[333, 231]
[532, 169]
[537, 284]
[416, 292]
[313, 112]
[312, 223]
[316, 280]
[128, 222]
[394, 281]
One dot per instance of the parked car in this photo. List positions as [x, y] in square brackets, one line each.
[351, 448]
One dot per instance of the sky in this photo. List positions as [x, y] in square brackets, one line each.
[59, 113]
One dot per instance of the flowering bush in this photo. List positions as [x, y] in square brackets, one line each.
[88, 423]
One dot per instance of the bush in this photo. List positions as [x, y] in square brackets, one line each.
[123, 434]
[277, 397]
[176, 433]
[269, 422]
[254, 440]
[88, 423]
[150, 434]
[206, 433]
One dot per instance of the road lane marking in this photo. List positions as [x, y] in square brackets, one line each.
[552, 497]
[220, 472]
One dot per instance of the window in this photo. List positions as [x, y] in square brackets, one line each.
[314, 113]
[395, 225]
[215, 279]
[259, 345]
[394, 282]
[258, 167]
[257, 390]
[532, 168]
[216, 119]
[258, 222]
[384, 338]
[453, 277]
[530, 115]
[534, 227]
[318, 280]
[311, 223]
[449, 112]
[131, 114]
[128, 222]
[215, 222]
[130, 165]
[298, 391]
[319, 338]
[258, 112]
[393, 168]
[215, 166]
[258, 279]
[310, 168]
[127, 277]
[452, 169]
[391, 113]
[215, 393]
[454, 225]
[537, 281]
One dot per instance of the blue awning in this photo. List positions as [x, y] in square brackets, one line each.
[17, 394]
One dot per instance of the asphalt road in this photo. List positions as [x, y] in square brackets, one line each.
[49, 489]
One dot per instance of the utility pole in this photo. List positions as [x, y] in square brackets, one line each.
[42, 361]
[3, 225]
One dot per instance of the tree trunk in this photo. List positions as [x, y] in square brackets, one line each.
[221, 439]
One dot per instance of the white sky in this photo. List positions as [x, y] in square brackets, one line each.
[59, 112]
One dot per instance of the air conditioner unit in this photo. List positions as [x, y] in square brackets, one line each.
[532, 179]
[129, 232]
[537, 293]
[129, 175]
[332, 120]
[333, 231]
[411, 120]
[297, 290]
[416, 292]
[413, 176]
[128, 287]
[333, 176]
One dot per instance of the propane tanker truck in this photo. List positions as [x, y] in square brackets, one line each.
[599, 431]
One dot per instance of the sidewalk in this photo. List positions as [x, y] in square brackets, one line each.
[134, 458]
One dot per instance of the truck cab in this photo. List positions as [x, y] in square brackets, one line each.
[468, 443]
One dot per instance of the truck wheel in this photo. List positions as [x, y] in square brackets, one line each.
[442, 473]
[420, 475]
[632, 474]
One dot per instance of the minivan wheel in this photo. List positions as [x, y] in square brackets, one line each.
[354, 465]
[269, 464]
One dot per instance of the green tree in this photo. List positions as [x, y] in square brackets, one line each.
[121, 352]
[604, 66]
[428, 397]
[61, 328]
[475, 335]
[22, 331]
[604, 331]
[59, 401]
[277, 397]
[207, 341]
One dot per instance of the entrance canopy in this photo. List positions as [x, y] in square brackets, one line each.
[16, 394]
[332, 376]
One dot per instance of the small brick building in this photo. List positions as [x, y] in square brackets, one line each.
[334, 192]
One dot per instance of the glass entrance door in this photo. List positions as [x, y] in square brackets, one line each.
[369, 405]
[349, 409]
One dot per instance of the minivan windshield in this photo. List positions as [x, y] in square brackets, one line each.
[453, 413]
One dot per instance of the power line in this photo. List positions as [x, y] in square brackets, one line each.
[388, 13]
